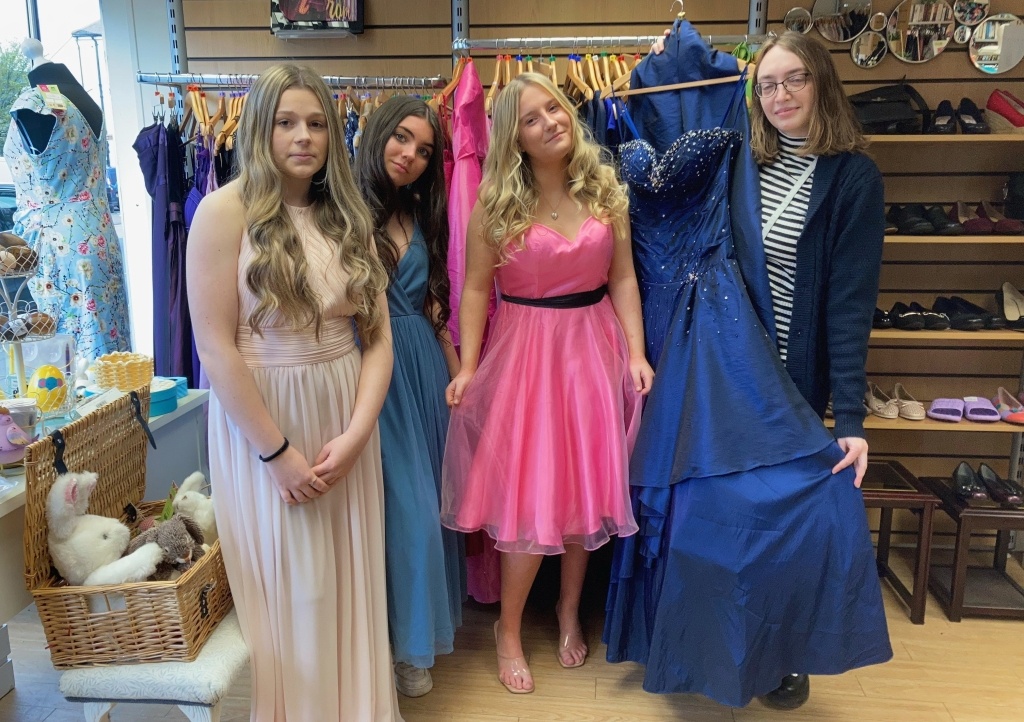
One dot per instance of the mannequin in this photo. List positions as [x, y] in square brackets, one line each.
[36, 128]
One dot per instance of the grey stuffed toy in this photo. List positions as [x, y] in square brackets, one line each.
[181, 539]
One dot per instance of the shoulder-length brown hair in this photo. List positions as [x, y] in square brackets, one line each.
[833, 127]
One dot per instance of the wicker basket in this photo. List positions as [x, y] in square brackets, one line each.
[142, 622]
[123, 370]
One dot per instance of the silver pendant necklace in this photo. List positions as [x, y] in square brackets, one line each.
[554, 209]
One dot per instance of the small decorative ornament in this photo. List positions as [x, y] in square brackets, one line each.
[554, 215]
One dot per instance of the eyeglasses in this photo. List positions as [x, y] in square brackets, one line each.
[792, 84]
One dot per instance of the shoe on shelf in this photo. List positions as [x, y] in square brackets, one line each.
[794, 692]
[967, 484]
[1004, 112]
[1001, 225]
[1002, 490]
[890, 227]
[933, 320]
[941, 223]
[972, 223]
[943, 119]
[993, 321]
[1010, 409]
[980, 409]
[910, 220]
[904, 318]
[879, 404]
[412, 681]
[881, 319]
[1011, 302]
[959, 319]
[910, 408]
[970, 119]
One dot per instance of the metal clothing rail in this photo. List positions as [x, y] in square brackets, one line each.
[232, 80]
[584, 42]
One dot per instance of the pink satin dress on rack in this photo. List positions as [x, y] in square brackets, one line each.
[308, 580]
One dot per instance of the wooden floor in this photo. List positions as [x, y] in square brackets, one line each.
[942, 672]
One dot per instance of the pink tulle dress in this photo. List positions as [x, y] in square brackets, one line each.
[537, 452]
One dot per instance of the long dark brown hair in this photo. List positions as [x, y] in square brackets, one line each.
[426, 200]
[833, 126]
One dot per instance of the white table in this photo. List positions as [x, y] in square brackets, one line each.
[181, 449]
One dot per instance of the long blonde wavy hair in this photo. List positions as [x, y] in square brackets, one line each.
[509, 192]
[279, 273]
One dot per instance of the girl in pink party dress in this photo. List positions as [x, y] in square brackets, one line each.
[541, 428]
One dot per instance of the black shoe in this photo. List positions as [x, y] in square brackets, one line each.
[959, 318]
[1002, 490]
[904, 318]
[881, 319]
[993, 321]
[970, 118]
[933, 320]
[910, 220]
[794, 691]
[941, 223]
[944, 119]
[967, 484]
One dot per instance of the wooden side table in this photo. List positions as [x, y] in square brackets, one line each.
[889, 485]
[992, 592]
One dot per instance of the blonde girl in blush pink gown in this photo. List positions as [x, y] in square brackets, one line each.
[280, 263]
[541, 427]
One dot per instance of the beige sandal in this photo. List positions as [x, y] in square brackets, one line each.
[910, 408]
[514, 666]
[569, 641]
[879, 404]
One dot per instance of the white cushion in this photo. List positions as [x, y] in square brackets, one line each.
[204, 681]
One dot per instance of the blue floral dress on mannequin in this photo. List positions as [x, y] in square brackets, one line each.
[753, 560]
[62, 213]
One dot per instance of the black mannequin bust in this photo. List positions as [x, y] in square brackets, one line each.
[37, 127]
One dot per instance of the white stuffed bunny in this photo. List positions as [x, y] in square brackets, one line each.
[86, 548]
[191, 501]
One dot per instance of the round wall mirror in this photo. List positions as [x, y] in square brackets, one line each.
[841, 20]
[997, 45]
[868, 50]
[919, 30]
[878, 21]
[970, 12]
[798, 20]
[961, 35]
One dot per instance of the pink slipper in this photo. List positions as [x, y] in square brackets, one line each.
[1010, 409]
[978, 409]
[946, 410]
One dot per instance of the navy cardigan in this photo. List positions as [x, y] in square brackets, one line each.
[838, 261]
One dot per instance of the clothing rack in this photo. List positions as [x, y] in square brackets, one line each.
[464, 45]
[233, 80]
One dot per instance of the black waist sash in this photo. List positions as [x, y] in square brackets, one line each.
[569, 300]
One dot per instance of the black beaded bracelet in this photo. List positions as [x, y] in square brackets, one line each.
[276, 454]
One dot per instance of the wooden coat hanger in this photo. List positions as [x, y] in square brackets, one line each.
[495, 85]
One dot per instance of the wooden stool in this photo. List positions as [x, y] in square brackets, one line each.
[195, 687]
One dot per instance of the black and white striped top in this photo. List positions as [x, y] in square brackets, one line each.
[780, 244]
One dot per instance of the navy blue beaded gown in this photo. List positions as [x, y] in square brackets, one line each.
[753, 561]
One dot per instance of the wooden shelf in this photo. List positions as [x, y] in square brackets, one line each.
[896, 334]
[878, 423]
[957, 138]
[982, 240]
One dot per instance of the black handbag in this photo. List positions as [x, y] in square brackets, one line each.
[891, 109]
[1013, 193]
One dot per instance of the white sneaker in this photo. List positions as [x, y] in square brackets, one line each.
[412, 681]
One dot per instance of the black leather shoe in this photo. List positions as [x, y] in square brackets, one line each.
[933, 320]
[970, 118]
[903, 318]
[944, 119]
[910, 220]
[1002, 490]
[967, 484]
[959, 318]
[941, 223]
[993, 321]
[794, 691]
[881, 319]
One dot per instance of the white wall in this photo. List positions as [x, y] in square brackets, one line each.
[136, 38]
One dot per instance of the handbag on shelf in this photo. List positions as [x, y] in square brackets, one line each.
[891, 109]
